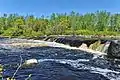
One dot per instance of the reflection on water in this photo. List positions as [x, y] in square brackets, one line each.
[58, 64]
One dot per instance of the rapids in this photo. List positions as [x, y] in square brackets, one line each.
[56, 62]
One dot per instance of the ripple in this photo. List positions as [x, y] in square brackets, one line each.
[110, 74]
[57, 62]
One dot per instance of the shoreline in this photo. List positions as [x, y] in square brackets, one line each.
[79, 36]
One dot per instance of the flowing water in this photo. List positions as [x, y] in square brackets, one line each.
[57, 64]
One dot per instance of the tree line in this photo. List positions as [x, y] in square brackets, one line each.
[97, 23]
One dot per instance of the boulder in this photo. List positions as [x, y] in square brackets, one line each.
[114, 49]
[30, 63]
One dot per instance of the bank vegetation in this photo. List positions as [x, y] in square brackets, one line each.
[97, 23]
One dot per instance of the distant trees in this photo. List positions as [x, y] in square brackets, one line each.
[100, 22]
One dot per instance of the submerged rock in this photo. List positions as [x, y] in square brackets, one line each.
[114, 49]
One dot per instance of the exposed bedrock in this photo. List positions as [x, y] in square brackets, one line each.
[111, 47]
[77, 42]
[114, 49]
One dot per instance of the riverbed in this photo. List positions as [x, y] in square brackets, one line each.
[55, 63]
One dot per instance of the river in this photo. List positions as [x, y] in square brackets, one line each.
[56, 63]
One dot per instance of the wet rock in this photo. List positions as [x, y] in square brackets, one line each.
[89, 42]
[30, 63]
[72, 42]
[75, 42]
[114, 49]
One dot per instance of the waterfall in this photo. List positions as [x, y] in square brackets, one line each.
[105, 48]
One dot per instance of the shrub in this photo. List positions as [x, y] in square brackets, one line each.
[84, 32]
[12, 32]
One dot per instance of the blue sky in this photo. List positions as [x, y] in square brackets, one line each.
[46, 7]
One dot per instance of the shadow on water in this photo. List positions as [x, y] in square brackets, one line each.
[58, 64]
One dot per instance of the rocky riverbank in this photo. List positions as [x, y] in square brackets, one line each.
[92, 45]
[24, 43]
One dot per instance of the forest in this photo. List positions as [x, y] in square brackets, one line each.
[97, 23]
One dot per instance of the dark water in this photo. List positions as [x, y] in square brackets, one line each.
[57, 64]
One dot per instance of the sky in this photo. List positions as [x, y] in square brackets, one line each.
[47, 7]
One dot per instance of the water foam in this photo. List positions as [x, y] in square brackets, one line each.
[54, 44]
[110, 74]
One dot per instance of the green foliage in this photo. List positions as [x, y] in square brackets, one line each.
[68, 32]
[107, 33]
[98, 23]
[12, 32]
[30, 33]
[84, 32]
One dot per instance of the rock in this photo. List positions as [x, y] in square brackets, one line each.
[69, 41]
[10, 79]
[31, 61]
[114, 49]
